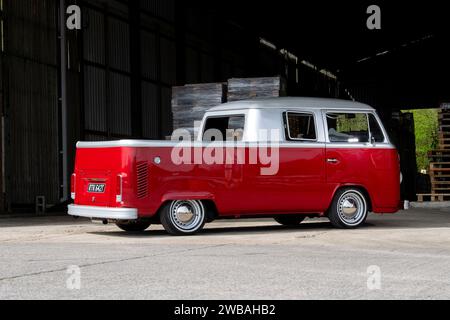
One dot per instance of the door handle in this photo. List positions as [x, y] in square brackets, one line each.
[332, 160]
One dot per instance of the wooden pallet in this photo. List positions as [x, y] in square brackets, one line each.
[441, 184]
[438, 165]
[439, 175]
[440, 155]
[433, 197]
[435, 157]
[440, 162]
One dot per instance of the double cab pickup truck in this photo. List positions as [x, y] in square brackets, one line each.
[284, 158]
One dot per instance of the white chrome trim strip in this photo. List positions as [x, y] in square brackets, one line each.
[196, 144]
[103, 212]
[359, 146]
[125, 143]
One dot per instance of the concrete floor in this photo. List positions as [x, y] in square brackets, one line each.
[244, 259]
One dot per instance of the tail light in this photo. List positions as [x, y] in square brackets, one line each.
[119, 189]
[73, 179]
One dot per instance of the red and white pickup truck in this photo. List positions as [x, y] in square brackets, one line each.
[286, 158]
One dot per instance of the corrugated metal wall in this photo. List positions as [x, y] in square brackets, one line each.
[106, 70]
[107, 50]
[31, 105]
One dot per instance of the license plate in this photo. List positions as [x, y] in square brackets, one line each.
[96, 187]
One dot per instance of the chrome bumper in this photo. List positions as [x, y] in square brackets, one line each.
[103, 212]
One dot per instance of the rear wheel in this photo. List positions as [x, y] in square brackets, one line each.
[133, 226]
[183, 217]
[289, 220]
[349, 209]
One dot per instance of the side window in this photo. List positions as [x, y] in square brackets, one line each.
[348, 127]
[300, 126]
[375, 129]
[224, 128]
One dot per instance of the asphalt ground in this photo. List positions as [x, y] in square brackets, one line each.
[402, 256]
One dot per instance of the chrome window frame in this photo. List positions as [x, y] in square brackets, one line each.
[349, 111]
[285, 122]
[224, 115]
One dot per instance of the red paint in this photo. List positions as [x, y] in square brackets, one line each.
[305, 182]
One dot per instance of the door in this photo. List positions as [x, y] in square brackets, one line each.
[359, 153]
[298, 184]
[348, 147]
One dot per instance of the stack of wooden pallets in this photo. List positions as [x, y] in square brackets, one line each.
[444, 126]
[190, 102]
[252, 88]
[440, 161]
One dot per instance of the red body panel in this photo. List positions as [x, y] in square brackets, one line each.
[305, 182]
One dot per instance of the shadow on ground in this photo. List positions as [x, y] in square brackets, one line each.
[227, 230]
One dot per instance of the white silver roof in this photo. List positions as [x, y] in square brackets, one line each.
[292, 103]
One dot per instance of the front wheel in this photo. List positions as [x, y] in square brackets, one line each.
[183, 217]
[133, 226]
[349, 209]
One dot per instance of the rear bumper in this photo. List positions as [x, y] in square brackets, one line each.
[103, 212]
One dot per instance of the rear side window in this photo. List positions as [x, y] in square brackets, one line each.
[224, 128]
[348, 127]
[300, 126]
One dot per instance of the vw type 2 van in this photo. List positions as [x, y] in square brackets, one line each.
[285, 158]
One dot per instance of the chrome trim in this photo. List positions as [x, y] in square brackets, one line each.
[103, 212]
[211, 114]
[227, 115]
[286, 123]
[126, 143]
[380, 145]
[289, 144]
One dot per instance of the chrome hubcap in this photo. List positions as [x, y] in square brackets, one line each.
[352, 208]
[187, 215]
[184, 214]
[349, 207]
